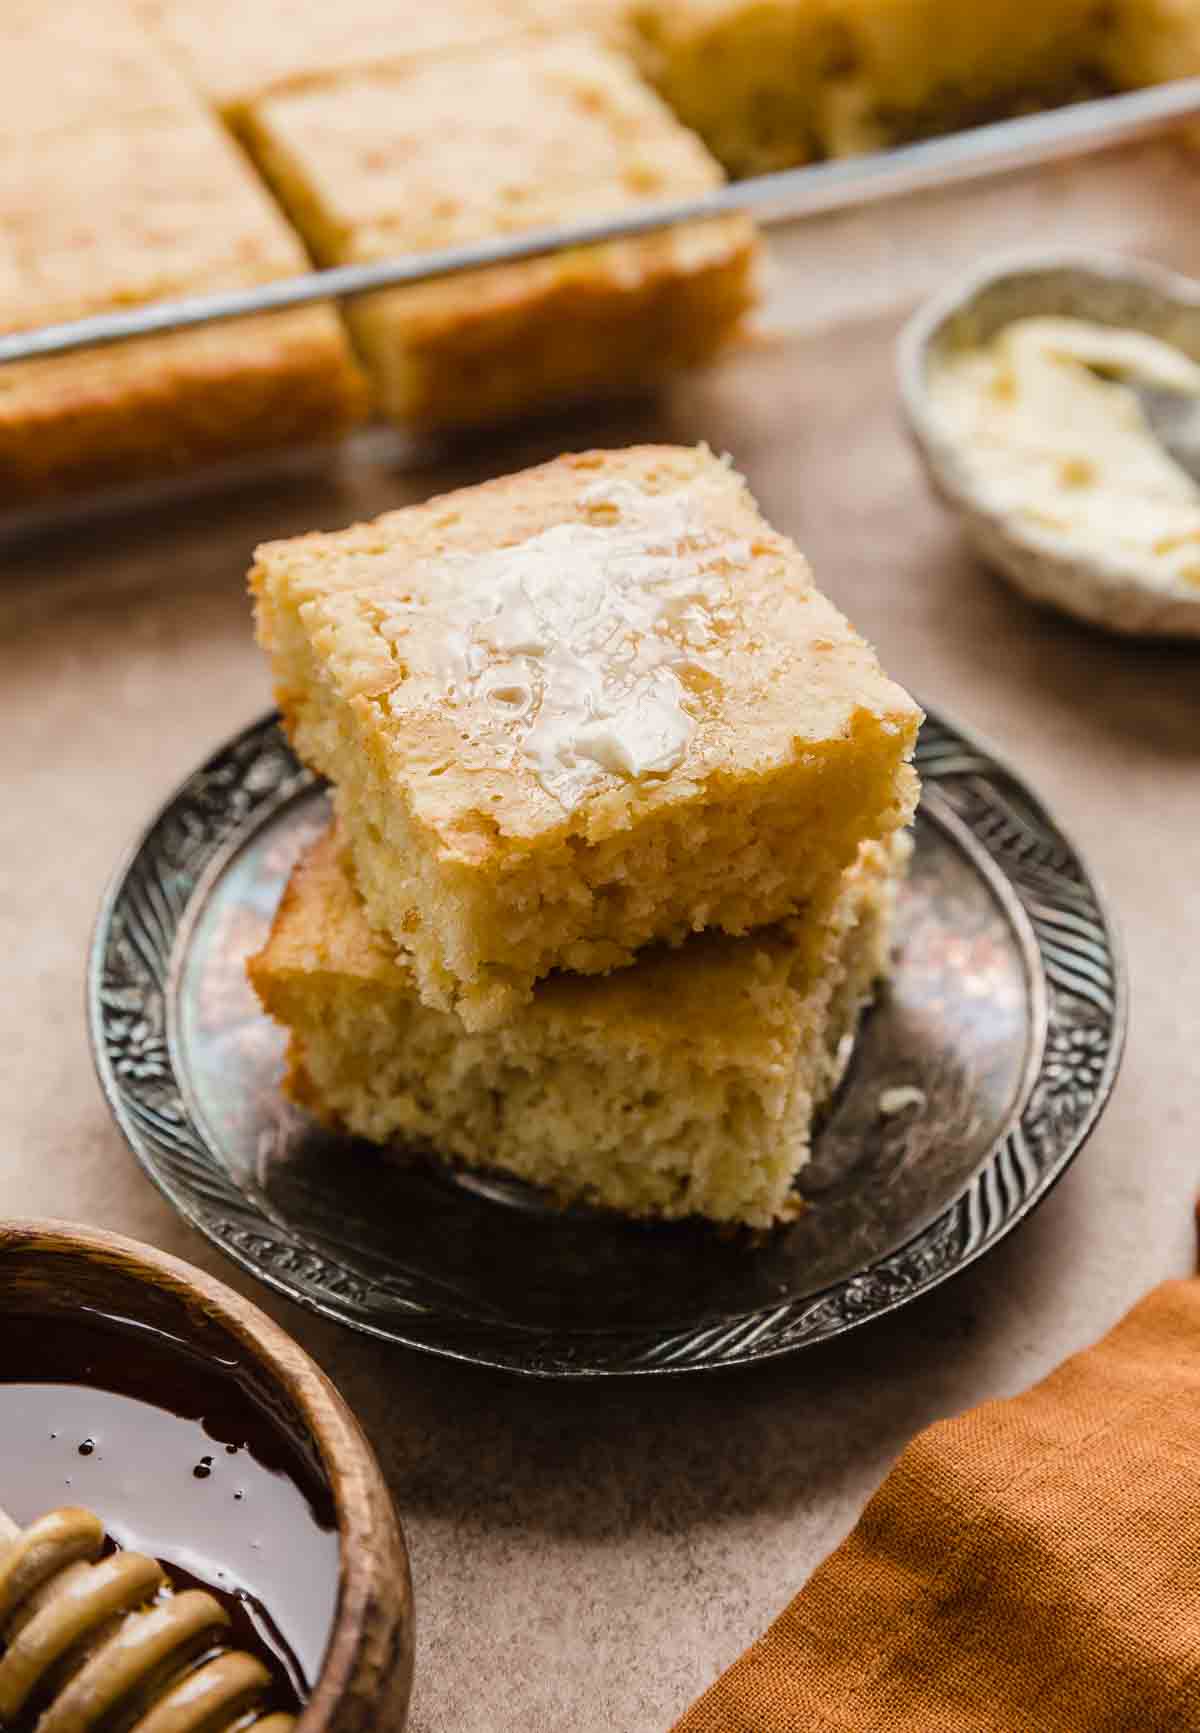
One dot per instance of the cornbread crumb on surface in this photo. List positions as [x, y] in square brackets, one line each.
[578, 710]
[234, 51]
[492, 142]
[127, 210]
[685, 1085]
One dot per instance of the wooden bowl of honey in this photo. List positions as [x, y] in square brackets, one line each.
[223, 1530]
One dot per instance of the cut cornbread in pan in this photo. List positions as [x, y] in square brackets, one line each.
[578, 710]
[770, 83]
[234, 51]
[125, 213]
[749, 78]
[136, 210]
[159, 405]
[918, 67]
[685, 1085]
[501, 140]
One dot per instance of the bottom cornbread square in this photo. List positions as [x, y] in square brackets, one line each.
[685, 1084]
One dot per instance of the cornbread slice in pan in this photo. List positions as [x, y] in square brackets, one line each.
[608, 19]
[71, 64]
[234, 51]
[1154, 40]
[161, 405]
[918, 67]
[135, 210]
[495, 142]
[685, 1085]
[128, 212]
[747, 77]
[771, 83]
[578, 710]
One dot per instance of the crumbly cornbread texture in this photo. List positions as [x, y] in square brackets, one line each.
[775, 82]
[495, 142]
[74, 64]
[685, 1085]
[1153, 40]
[578, 710]
[235, 51]
[140, 209]
[129, 210]
[608, 19]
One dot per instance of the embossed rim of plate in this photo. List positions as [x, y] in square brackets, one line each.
[228, 797]
[1045, 566]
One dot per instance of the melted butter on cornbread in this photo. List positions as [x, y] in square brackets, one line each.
[1054, 437]
[793, 743]
[598, 637]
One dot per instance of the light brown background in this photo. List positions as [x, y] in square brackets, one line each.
[589, 1559]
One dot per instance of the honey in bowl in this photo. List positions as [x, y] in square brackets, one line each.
[180, 1459]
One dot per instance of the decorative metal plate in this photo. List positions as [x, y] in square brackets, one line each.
[1006, 1011]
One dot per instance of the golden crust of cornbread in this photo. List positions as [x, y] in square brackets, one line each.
[130, 211]
[166, 404]
[797, 753]
[684, 1085]
[770, 83]
[235, 51]
[493, 142]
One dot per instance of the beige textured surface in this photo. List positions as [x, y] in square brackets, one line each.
[589, 1560]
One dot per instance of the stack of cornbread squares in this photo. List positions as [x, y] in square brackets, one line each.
[620, 802]
[366, 128]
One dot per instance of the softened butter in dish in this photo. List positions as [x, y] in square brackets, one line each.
[1048, 423]
[1024, 386]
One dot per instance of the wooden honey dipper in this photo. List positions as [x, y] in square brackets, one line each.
[115, 1641]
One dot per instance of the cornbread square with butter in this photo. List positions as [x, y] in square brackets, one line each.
[128, 212]
[495, 142]
[771, 83]
[235, 51]
[578, 710]
[685, 1085]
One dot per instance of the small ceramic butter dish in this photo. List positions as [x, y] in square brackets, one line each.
[1086, 512]
[173, 1462]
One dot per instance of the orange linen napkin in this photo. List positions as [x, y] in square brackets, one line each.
[1030, 1567]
